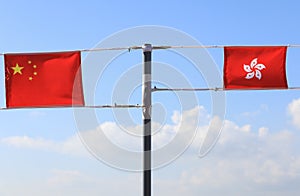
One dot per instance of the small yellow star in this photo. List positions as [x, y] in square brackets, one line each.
[35, 73]
[17, 69]
[30, 78]
[29, 62]
[34, 66]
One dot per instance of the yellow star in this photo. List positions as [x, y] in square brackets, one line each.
[17, 69]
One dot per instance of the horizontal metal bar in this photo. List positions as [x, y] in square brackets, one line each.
[89, 107]
[129, 48]
[220, 89]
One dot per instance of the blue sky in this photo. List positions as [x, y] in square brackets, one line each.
[257, 151]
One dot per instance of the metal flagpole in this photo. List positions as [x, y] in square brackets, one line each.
[147, 50]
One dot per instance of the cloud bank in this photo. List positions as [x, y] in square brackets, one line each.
[244, 161]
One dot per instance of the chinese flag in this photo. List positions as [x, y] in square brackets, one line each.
[43, 79]
[255, 67]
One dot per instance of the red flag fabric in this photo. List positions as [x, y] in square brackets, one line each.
[43, 79]
[255, 67]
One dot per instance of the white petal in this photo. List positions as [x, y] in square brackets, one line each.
[247, 68]
[253, 62]
[260, 66]
[258, 74]
[250, 75]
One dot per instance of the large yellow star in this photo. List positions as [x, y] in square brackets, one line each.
[17, 69]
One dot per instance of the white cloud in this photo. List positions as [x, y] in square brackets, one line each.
[28, 142]
[252, 114]
[263, 131]
[244, 161]
[71, 146]
[294, 111]
[128, 138]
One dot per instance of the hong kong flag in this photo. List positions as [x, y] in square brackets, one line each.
[255, 67]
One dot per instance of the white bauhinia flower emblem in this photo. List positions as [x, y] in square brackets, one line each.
[254, 69]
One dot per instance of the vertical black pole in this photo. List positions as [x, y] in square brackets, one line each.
[147, 50]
